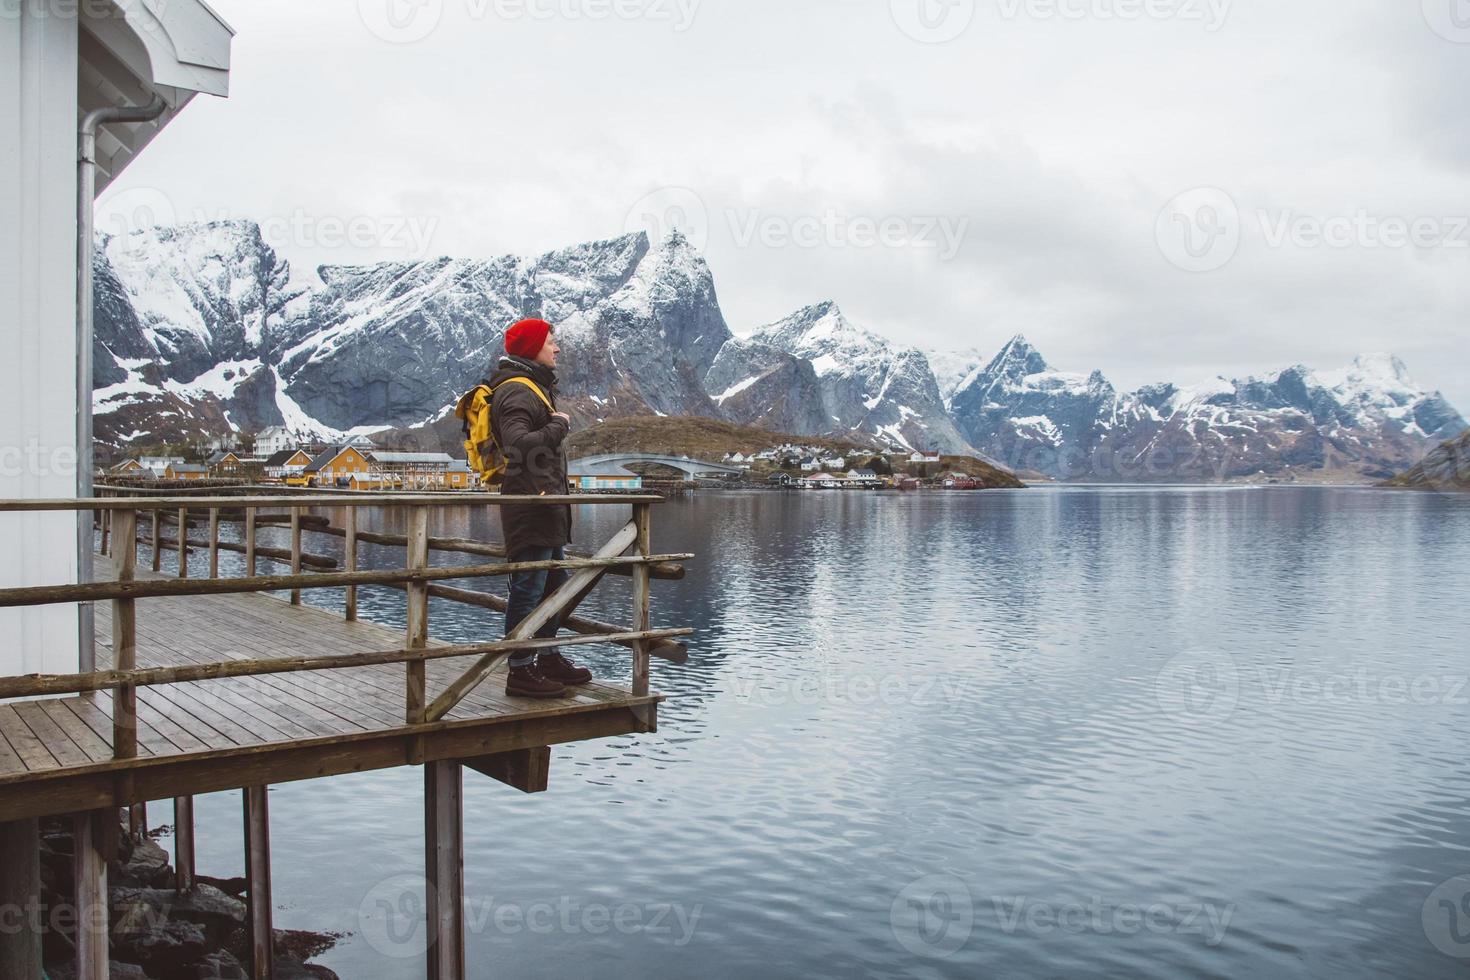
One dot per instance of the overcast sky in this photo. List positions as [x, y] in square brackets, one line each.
[1163, 189]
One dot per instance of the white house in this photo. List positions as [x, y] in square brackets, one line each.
[273, 439]
[59, 64]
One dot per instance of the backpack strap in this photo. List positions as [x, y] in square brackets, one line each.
[529, 384]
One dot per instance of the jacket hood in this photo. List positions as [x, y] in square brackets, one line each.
[513, 367]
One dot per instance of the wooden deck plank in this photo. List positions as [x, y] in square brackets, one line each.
[97, 748]
[56, 740]
[32, 752]
[284, 726]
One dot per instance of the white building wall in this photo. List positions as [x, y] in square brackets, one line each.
[38, 122]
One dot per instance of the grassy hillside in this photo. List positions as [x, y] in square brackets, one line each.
[701, 438]
[1445, 468]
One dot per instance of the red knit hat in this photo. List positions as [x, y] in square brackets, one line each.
[526, 338]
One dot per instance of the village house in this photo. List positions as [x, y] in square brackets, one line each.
[286, 463]
[834, 463]
[273, 439]
[185, 471]
[413, 471]
[336, 466]
[809, 465]
[129, 467]
[603, 476]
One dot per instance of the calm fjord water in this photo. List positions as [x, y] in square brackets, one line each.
[1177, 732]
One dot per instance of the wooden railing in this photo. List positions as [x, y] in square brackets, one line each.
[116, 515]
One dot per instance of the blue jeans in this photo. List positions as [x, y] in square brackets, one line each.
[527, 589]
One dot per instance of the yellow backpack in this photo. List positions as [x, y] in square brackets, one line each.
[473, 409]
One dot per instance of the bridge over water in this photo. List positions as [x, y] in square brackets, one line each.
[690, 467]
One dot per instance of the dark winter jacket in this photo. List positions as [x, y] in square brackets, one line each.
[531, 439]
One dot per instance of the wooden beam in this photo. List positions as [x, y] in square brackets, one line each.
[213, 542]
[157, 540]
[318, 499]
[258, 881]
[89, 872]
[671, 650]
[250, 542]
[444, 868]
[125, 644]
[183, 542]
[349, 558]
[296, 552]
[65, 791]
[32, 685]
[20, 898]
[528, 770]
[560, 600]
[644, 545]
[159, 588]
[417, 614]
[665, 571]
[184, 843]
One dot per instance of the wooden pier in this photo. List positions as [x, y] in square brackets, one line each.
[206, 684]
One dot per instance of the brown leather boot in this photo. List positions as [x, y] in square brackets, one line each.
[530, 682]
[559, 668]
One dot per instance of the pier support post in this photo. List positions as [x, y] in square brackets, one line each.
[20, 898]
[157, 540]
[349, 559]
[295, 552]
[89, 869]
[258, 881]
[444, 868]
[184, 843]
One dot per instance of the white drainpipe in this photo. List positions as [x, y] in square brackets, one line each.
[86, 191]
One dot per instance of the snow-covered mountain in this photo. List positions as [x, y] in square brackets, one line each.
[1367, 420]
[203, 331]
[864, 384]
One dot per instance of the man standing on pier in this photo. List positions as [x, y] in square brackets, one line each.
[529, 431]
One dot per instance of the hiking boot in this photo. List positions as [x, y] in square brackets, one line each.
[559, 668]
[529, 682]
